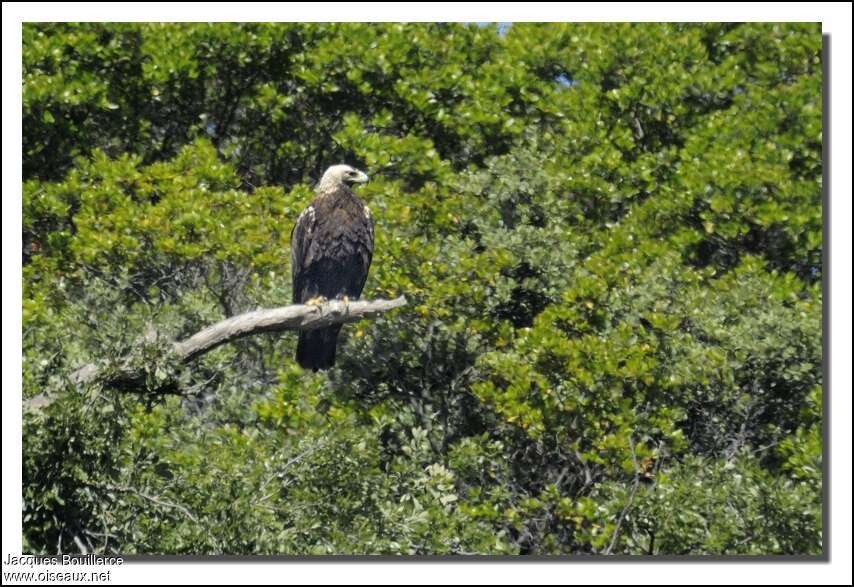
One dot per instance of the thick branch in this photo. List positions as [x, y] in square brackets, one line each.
[296, 317]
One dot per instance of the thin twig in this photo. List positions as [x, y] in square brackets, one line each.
[628, 505]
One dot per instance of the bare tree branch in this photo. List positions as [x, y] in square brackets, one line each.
[154, 499]
[295, 317]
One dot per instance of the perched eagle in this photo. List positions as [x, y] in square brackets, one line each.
[331, 248]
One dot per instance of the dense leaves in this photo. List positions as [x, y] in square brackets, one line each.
[610, 236]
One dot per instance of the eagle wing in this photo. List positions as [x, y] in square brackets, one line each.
[300, 250]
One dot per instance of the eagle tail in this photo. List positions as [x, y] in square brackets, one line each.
[316, 348]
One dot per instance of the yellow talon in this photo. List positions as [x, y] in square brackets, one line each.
[316, 301]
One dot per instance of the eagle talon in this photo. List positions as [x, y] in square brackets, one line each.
[316, 301]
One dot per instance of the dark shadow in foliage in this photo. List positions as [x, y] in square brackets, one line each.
[524, 303]
[424, 366]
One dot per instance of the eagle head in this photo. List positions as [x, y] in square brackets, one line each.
[338, 175]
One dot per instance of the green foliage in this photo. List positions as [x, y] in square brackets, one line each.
[610, 237]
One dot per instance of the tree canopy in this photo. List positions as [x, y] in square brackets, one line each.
[610, 237]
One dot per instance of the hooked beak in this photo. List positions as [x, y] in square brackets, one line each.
[361, 178]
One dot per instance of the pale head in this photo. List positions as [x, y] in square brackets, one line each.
[339, 175]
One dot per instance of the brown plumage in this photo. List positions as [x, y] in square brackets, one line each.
[331, 248]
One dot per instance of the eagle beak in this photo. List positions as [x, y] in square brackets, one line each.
[362, 178]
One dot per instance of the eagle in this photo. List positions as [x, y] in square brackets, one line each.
[332, 244]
